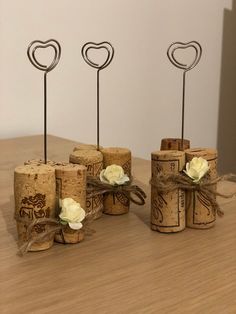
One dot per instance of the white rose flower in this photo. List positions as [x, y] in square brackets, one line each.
[113, 175]
[197, 168]
[72, 213]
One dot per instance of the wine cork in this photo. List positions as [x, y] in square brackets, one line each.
[174, 144]
[117, 204]
[71, 183]
[93, 161]
[70, 180]
[118, 156]
[35, 197]
[167, 209]
[69, 236]
[200, 214]
[86, 147]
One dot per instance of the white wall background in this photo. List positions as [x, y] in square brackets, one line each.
[140, 90]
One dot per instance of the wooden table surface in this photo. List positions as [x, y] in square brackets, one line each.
[124, 267]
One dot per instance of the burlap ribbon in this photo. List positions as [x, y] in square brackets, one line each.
[133, 192]
[53, 225]
[166, 183]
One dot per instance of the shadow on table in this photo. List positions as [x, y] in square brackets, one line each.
[143, 212]
[7, 211]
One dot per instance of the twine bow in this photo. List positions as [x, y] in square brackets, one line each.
[166, 183]
[97, 187]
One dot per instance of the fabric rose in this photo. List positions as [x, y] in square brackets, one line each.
[114, 175]
[197, 168]
[71, 213]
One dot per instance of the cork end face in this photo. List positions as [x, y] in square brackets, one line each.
[34, 169]
[86, 147]
[167, 154]
[174, 144]
[34, 162]
[58, 165]
[207, 153]
[70, 167]
[49, 162]
[115, 150]
[85, 156]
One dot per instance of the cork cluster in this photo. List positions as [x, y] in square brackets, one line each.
[173, 211]
[38, 189]
[95, 161]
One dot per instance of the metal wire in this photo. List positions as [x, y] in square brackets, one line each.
[110, 54]
[186, 67]
[33, 46]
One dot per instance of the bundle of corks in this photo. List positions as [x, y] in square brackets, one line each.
[176, 203]
[95, 161]
[38, 189]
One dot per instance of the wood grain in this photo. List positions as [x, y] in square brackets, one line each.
[124, 267]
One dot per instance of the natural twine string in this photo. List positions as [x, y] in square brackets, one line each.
[97, 187]
[166, 183]
[53, 226]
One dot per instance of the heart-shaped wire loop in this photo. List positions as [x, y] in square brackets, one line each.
[186, 67]
[90, 46]
[32, 48]
[37, 44]
[179, 45]
[99, 66]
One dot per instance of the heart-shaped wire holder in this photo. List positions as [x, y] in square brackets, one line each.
[33, 46]
[110, 54]
[186, 67]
